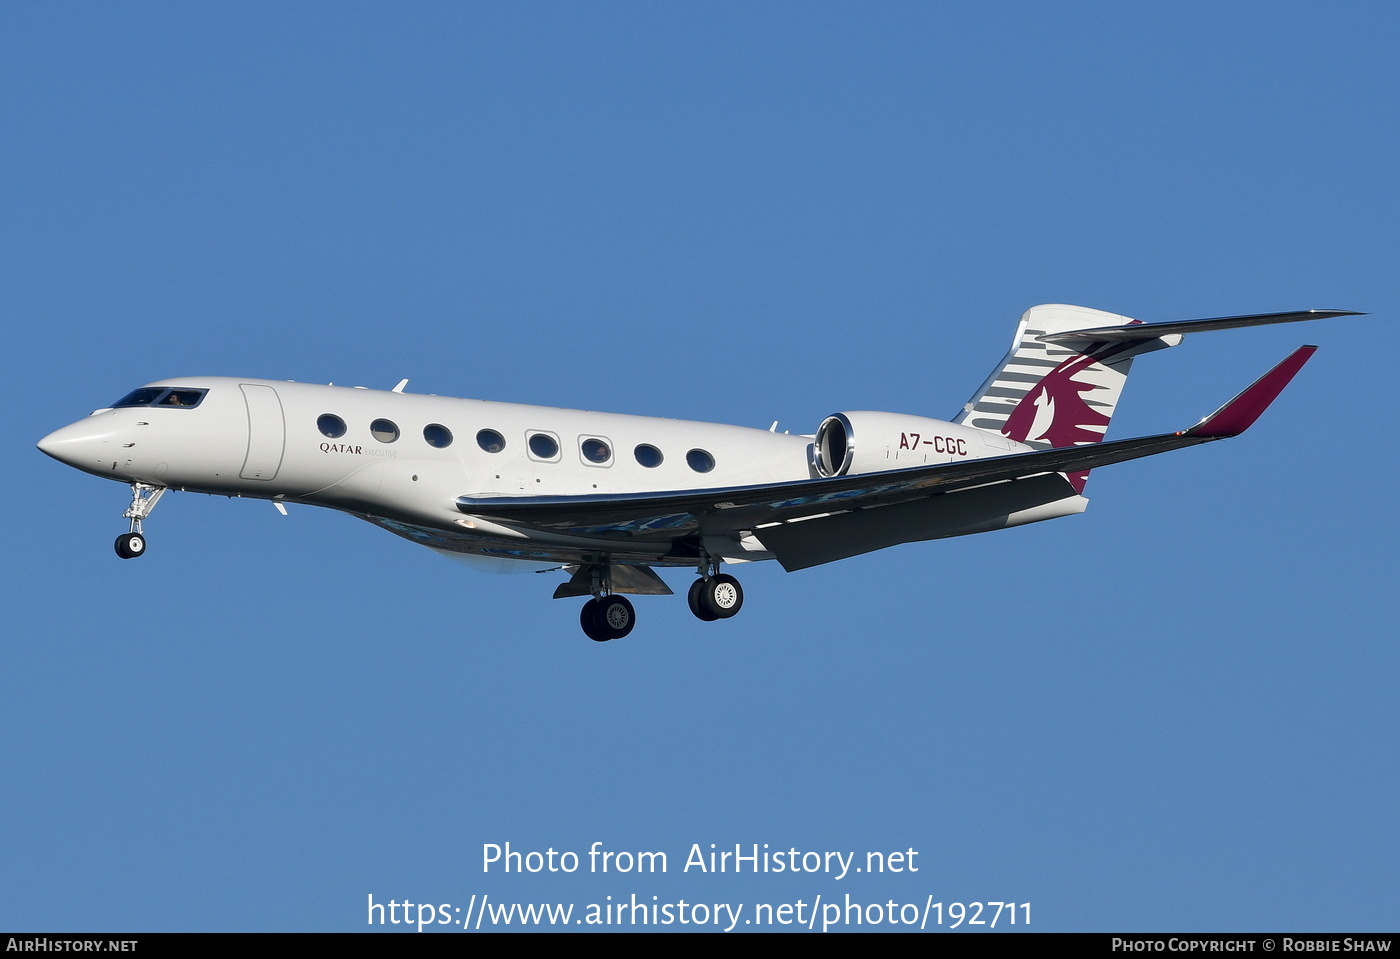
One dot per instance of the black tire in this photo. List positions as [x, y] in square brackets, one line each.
[697, 604]
[130, 545]
[615, 616]
[592, 626]
[722, 596]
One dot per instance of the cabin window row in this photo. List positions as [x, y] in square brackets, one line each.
[542, 446]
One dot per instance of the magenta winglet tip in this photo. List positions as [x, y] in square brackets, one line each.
[1239, 414]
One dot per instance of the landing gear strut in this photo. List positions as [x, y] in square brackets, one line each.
[132, 544]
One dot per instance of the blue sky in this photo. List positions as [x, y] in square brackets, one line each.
[1175, 712]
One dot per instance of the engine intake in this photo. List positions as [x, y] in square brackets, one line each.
[853, 443]
[834, 445]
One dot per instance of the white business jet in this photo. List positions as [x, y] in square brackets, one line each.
[607, 497]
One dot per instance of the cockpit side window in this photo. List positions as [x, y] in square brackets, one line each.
[181, 398]
[143, 397]
[161, 396]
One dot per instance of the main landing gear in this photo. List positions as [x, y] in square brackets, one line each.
[607, 615]
[132, 544]
[715, 597]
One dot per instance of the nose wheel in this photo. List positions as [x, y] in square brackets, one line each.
[143, 499]
[130, 545]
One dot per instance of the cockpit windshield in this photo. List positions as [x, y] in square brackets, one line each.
[161, 396]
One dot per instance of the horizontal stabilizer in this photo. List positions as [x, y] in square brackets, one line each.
[1148, 331]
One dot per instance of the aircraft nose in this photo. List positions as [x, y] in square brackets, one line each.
[82, 444]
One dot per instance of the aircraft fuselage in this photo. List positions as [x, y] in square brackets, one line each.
[402, 460]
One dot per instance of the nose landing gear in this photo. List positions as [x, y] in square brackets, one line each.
[143, 499]
[130, 545]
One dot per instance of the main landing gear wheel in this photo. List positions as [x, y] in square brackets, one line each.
[718, 597]
[608, 617]
[697, 605]
[130, 545]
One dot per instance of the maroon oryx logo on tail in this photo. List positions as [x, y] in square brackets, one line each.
[1054, 412]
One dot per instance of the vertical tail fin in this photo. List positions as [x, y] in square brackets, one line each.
[1053, 395]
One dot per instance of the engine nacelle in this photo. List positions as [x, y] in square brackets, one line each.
[867, 442]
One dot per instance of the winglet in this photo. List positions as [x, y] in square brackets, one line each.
[1239, 414]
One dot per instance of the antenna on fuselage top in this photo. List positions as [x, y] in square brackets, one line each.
[399, 388]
